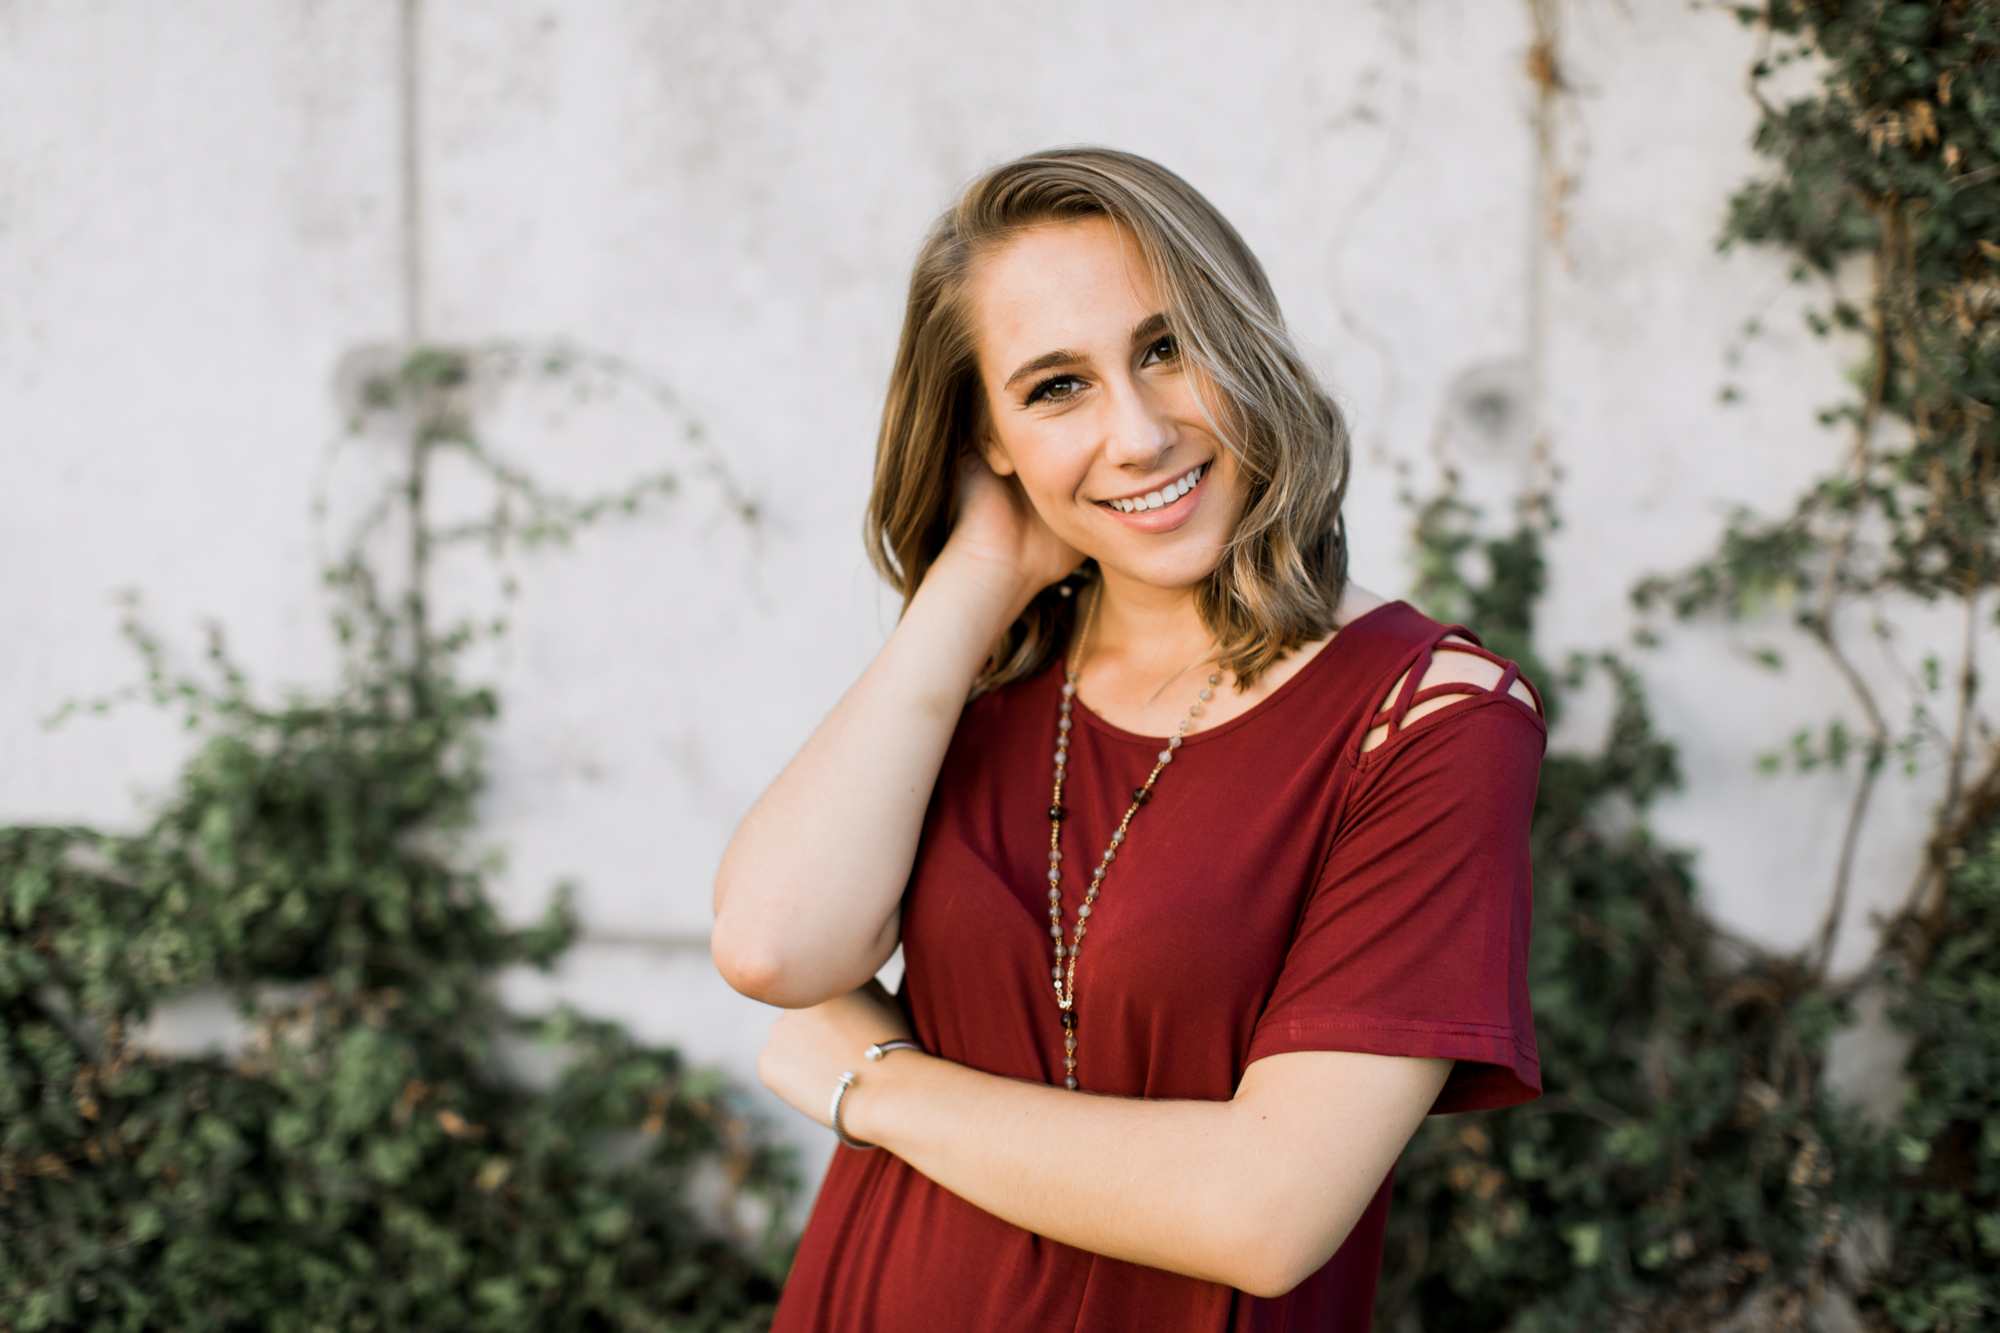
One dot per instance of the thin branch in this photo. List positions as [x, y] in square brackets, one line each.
[1921, 717]
[1857, 811]
[1822, 629]
[415, 487]
[1753, 82]
[711, 462]
[1864, 435]
[1968, 694]
[1979, 177]
[549, 516]
[410, 158]
[1962, 810]
[1843, 875]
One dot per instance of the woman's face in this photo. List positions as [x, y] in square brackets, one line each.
[1089, 404]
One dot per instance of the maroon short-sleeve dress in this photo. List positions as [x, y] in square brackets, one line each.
[1282, 891]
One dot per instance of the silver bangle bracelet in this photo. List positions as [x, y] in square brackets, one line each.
[875, 1052]
[839, 1093]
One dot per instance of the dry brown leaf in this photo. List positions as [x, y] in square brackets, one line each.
[456, 1125]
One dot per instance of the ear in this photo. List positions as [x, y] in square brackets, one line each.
[995, 454]
[987, 445]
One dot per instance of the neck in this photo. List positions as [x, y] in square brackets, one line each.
[1145, 630]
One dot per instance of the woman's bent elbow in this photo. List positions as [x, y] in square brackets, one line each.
[1274, 1273]
[756, 967]
[750, 966]
[1269, 1281]
[1277, 1256]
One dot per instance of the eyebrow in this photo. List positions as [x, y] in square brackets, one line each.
[1145, 330]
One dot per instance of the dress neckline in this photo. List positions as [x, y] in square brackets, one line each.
[1258, 709]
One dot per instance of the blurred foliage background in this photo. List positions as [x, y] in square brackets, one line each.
[392, 1150]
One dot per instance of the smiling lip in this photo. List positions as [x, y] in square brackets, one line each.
[1161, 498]
[1164, 509]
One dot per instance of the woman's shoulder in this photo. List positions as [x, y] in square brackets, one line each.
[1389, 666]
[1385, 634]
[1425, 667]
[1376, 637]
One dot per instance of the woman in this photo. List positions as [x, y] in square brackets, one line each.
[1219, 882]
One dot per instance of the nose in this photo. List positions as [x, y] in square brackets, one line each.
[1139, 430]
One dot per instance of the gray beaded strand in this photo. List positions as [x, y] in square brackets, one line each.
[1063, 974]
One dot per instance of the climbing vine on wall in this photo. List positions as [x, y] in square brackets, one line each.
[1896, 162]
[370, 1160]
[1688, 1168]
[1679, 1167]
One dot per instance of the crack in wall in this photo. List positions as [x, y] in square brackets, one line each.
[409, 61]
[1403, 42]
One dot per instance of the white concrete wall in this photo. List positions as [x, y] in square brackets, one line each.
[200, 216]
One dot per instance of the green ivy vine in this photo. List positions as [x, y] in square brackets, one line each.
[1680, 1161]
[1688, 1168]
[370, 1161]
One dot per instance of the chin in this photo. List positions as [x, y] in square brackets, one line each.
[1166, 572]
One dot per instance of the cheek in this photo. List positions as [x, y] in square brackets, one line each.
[1049, 473]
[1058, 504]
[1233, 491]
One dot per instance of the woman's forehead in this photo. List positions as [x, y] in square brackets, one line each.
[1067, 284]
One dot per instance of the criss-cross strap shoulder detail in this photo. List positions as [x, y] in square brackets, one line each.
[1410, 692]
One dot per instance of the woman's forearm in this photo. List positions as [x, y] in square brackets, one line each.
[1256, 1192]
[807, 896]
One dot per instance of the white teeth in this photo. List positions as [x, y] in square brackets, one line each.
[1166, 495]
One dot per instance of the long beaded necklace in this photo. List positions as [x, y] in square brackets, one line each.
[1064, 976]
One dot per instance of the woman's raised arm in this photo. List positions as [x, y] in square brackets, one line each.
[808, 897]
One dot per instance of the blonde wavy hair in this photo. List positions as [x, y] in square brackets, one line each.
[1282, 573]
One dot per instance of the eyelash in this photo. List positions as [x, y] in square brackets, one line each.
[1166, 347]
[1041, 391]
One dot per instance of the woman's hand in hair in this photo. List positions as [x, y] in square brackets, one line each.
[996, 531]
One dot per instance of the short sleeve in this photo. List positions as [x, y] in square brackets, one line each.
[1414, 937]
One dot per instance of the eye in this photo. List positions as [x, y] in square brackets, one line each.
[1056, 389]
[1164, 349]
